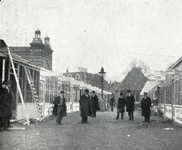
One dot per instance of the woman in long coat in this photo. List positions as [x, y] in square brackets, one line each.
[146, 104]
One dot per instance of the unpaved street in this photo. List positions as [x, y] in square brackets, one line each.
[102, 133]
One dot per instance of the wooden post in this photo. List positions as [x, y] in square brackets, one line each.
[3, 71]
[17, 82]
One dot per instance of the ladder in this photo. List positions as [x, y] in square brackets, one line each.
[34, 93]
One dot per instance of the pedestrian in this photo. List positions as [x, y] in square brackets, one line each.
[95, 103]
[61, 109]
[11, 100]
[5, 106]
[121, 106]
[85, 107]
[146, 104]
[112, 102]
[130, 102]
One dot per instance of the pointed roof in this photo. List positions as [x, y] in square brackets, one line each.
[134, 80]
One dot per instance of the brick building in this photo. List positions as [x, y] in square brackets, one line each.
[39, 53]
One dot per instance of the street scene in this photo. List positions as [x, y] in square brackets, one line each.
[102, 132]
[90, 75]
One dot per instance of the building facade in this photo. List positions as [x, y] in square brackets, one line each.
[39, 53]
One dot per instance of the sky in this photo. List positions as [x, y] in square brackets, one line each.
[98, 33]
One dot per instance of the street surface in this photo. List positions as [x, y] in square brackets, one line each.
[102, 133]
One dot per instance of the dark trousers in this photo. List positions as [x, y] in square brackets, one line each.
[147, 118]
[130, 114]
[4, 122]
[118, 115]
[59, 115]
[94, 111]
[111, 107]
[84, 119]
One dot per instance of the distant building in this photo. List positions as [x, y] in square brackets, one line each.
[88, 78]
[39, 53]
[134, 81]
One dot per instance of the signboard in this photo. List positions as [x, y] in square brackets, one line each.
[75, 106]
[161, 107]
[178, 115]
[168, 112]
[68, 107]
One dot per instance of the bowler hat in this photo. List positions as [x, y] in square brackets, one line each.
[128, 91]
[86, 90]
[62, 92]
[93, 91]
[121, 93]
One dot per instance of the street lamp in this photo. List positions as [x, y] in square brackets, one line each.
[102, 74]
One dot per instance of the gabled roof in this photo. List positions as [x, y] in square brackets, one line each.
[176, 63]
[134, 80]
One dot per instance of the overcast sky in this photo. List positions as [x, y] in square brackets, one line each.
[98, 33]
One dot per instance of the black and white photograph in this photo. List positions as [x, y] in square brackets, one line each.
[90, 74]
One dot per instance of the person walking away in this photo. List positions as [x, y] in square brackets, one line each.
[121, 106]
[130, 102]
[146, 104]
[85, 107]
[61, 110]
[5, 106]
[112, 101]
[95, 103]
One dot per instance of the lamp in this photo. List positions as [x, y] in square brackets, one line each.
[102, 74]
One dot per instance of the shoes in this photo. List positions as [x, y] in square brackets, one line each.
[86, 122]
[59, 123]
[116, 118]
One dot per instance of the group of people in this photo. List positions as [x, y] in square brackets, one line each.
[90, 104]
[129, 103]
[5, 105]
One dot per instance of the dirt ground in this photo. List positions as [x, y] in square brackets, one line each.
[102, 133]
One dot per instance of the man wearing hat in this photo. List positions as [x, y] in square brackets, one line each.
[95, 103]
[130, 102]
[61, 110]
[5, 106]
[85, 107]
[112, 102]
[146, 104]
[121, 106]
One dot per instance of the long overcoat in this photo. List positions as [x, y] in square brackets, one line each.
[5, 103]
[85, 106]
[61, 106]
[146, 104]
[121, 104]
[95, 103]
[130, 103]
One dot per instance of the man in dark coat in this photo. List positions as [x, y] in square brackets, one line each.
[146, 104]
[130, 102]
[5, 106]
[95, 103]
[121, 106]
[61, 110]
[85, 107]
[112, 102]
